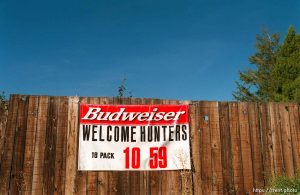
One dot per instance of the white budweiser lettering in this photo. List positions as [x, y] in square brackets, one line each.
[94, 113]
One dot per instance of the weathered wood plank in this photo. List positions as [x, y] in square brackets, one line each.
[30, 142]
[144, 175]
[102, 175]
[113, 176]
[195, 130]
[187, 185]
[267, 144]
[237, 165]
[134, 176]
[8, 145]
[92, 176]
[17, 175]
[40, 140]
[245, 139]
[206, 169]
[81, 180]
[153, 179]
[295, 135]
[61, 146]
[255, 135]
[228, 185]
[171, 182]
[276, 138]
[286, 140]
[124, 176]
[72, 140]
[3, 123]
[50, 146]
[214, 125]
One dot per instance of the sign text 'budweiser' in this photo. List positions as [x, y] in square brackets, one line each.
[134, 137]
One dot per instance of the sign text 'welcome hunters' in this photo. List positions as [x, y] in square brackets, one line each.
[134, 137]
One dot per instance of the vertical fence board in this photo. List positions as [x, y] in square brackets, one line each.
[286, 140]
[17, 175]
[113, 176]
[165, 184]
[258, 178]
[102, 175]
[171, 182]
[31, 128]
[177, 178]
[245, 140]
[228, 187]
[9, 143]
[72, 138]
[61, 146]
[3, 123]
[155, 177]
[216, 158]
[124, 176]
[276, 139]
[267, 144]
[50, 147]
[135, 182]
[92, 176]
[206, 148]
[187, 185]
[5, 168]
[81, 178]
[145, 175]
[297, 115]
[237, 165]
[295, 135]
[37, 180]
[195, 144]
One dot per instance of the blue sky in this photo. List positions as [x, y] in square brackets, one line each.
[189, 50]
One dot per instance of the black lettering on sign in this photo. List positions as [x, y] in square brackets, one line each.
[109, 137]
[164, 129]
[184, 136]
[177, 132]
[133, 133]
[107, 155]
[156, 133]
[171, 132]
[86, 132]
[143, 133]
[125, 134]
[100, 134]
[150, 138]
[94, 132]
[116, 131]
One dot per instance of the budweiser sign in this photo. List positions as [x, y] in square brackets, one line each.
[130, 114]
[134, 137]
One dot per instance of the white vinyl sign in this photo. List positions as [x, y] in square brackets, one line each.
[134, 137]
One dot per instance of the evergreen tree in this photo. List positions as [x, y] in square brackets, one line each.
[287, 69]
[257, 84]
[276, 76]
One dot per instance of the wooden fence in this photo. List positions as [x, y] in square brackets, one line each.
[235, 147]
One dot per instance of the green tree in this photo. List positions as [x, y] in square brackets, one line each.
[3, 103]
[287, 69]
[256, 84]
[276, 76]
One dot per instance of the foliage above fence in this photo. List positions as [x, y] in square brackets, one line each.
[235, 147]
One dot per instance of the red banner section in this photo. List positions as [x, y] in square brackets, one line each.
[133, 114]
